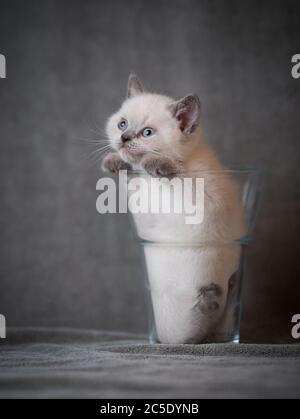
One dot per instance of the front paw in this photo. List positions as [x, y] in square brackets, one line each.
[159, 167]
[113, 163]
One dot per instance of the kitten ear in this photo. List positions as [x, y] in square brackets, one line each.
[134, 86]
[187, 112]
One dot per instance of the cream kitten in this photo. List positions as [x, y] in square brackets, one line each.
[189, 283]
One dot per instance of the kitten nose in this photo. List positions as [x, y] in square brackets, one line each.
[125, 138]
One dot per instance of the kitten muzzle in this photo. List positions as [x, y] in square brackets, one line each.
[125, 138]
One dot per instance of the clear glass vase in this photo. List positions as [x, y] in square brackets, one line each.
[194, 266]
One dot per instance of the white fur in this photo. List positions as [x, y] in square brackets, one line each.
[147, 110]
[183, 258]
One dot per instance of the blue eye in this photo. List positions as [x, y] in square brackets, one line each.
[123, 124]
[147, 132]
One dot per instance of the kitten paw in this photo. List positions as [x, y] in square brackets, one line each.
[113, 163]
[209, 298]
[158, 167]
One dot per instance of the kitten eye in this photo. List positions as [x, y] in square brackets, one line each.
[147, 132]
[123, 124]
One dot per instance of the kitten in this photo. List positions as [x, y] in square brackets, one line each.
[189, 284]
[153, 132]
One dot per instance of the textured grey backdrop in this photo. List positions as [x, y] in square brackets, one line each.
[67, 65]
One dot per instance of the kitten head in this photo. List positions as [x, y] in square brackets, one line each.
[150, 123]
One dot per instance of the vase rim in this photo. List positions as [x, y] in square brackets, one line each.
[228, 170]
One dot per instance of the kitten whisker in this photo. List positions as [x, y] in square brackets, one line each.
[94, 131]
[99, 129]
[92, 140]
[99, 150]
[97, 158]
[92, 126]
[157, 152]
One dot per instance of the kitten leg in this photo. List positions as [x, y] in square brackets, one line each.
[189, 290]
[160, 166]
[208, 311]
[209, 298]
[113, 163]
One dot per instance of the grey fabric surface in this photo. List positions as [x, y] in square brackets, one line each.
[56, 363]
